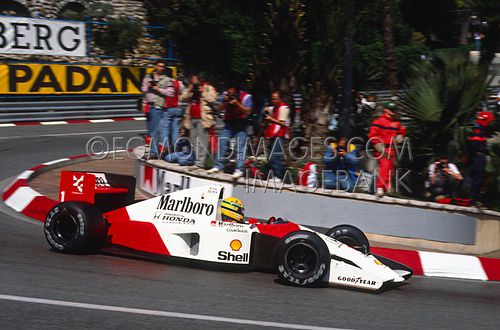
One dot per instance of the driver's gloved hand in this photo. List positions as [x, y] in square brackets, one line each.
[276, 221]
[271, 220]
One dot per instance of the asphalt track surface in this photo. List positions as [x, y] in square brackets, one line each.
[40, 288]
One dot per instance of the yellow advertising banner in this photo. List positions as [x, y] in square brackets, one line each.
[30, 78]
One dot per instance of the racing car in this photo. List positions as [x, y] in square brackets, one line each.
[97, 212]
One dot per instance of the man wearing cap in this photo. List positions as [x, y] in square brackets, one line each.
[385, 132]
[478, 152]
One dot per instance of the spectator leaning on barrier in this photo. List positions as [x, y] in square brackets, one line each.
[341, 160]
[184, 155]
[385, 132]
[199, 117]
[443, 177]
[278, 118]
[236, 107]
[172, 114]
[153, 87]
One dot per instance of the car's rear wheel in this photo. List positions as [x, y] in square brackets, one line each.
[74, 227]
[302, 258]
[350, 236]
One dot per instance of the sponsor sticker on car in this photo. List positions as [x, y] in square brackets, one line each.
[356, 280]
[185, 205]
[173, 218]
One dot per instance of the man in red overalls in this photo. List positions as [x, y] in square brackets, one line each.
[385, 132]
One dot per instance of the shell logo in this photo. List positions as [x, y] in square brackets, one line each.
[377, 262]
[235, 245]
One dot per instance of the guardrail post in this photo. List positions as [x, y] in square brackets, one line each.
[88, 23]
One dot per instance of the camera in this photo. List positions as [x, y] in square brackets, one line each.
[153, 83]
[231, 96]
[440, 166]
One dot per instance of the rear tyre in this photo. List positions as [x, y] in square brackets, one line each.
[74, 227]
[350, 236]
[302, 258]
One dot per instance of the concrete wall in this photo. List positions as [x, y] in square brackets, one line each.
[388, 217]
[383, 219]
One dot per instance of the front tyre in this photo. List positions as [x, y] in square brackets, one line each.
[74, 227]
[302, 258]
[350, 236]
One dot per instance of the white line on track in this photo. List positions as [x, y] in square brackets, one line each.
[60, 122]
[153, 312]
[69, 134]
[101, 120]
[52, 162]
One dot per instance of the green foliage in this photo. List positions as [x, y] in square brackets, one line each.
[280, 58]
[407, 56]
[441, 102]
[369, 65]
[325, 29]
[218, 37]
[119, 36]
[437, 20]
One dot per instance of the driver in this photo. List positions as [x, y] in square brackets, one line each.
[232, 209]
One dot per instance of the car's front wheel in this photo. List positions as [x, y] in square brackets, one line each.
[74, 227]
[350, 236]
[302, 258]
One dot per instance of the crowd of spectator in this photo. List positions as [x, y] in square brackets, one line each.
[187, 136]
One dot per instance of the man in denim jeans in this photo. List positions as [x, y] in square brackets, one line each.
[172, 115]
[237, 105]
[153, 86]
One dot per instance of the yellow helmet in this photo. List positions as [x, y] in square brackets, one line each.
[232, 209]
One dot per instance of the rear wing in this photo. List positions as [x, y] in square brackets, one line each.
[105, 190]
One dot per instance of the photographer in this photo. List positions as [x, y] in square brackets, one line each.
[443, 177]
[278, 122]
[155, 102]
[236, 107]
[340, 166]
[198, 117]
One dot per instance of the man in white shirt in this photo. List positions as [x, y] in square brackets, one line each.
[278, 123]
[443, 177]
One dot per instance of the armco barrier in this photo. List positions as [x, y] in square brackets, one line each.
[64, 107]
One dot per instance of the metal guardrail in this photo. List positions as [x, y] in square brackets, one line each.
[18, 108]
[65, 107]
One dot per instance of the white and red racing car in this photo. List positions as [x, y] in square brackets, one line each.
[97, 211]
